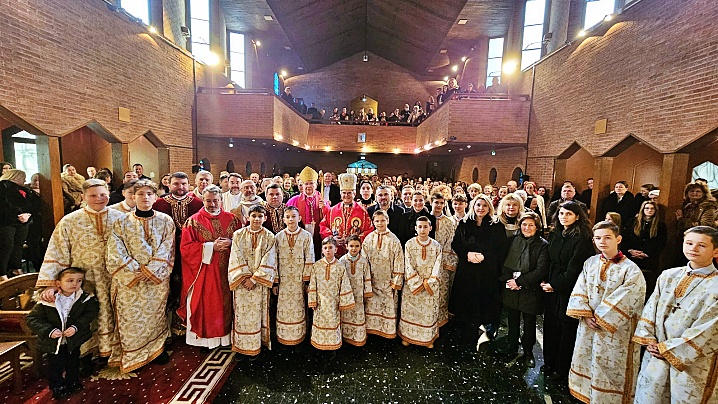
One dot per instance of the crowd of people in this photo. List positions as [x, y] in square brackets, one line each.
[238, 264]
[408, 115]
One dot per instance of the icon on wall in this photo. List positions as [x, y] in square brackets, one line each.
[361, 138]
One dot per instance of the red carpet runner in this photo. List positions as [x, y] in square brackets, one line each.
[190, 377]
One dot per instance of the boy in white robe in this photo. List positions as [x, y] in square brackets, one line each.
[252, 273]
[386, 262]
[357, 269]
[329, 293]
[295, 257]
[419, 322]
[679, 327]
[444, 234]
[608, 297]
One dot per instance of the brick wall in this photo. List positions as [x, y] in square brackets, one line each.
[292, 161]
[379, 139]
[505, 161]
[652, 74]
[74, 62]
[336, 85]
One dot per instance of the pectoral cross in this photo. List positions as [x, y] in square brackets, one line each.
[599, 289]
[676, 307]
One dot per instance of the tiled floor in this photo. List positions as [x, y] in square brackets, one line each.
[384, 371]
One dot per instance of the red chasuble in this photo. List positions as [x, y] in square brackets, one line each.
[208, 283]
[343, 222]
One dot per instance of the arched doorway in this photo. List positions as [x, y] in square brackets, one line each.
[149, 151]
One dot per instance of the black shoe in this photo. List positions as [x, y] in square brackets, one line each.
[59, 392]
[87, 366]
[102, 361]
[204, 350]
[529, 360]
[73, 388]
[162, 359]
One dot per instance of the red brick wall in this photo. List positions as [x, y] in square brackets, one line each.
[652, 75]
[235, 115]
[505, 161]
[379, 139]
[336, 85]
[74, 62]
[218, 153]
[489, 121]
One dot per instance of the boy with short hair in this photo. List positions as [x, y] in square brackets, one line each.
[418, 324]
[252, 273]
[329, 293]
[295, 257]
[386, 262]
[459, 203]
[679, 327]
[608, 297]
[357, 269]
[61, 327]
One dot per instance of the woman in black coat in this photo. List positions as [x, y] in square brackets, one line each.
[644, 238]
[525, 267]
[475, 294]
[569, 247]
[619, 201]
[17, 207]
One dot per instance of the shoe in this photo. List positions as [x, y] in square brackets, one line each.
[59, 393]
[73, 388]
[508, 350]
[404, 343]
[239, 357]
[162, 359]
[87, 366]
[204, 350]
[430, 346]
[529, 360]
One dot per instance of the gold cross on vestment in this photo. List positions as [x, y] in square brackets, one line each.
[600, 289]
[676, 307]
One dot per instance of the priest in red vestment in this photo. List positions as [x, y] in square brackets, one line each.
[347, 217]
[206, 301]
[312, 207]
[180, 204]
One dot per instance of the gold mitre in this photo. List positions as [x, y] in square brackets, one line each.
[308, 174]
[347, 182]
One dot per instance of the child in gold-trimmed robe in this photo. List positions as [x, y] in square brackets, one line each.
[139, 258]
[295, 257]
[418, 324]
[386, 261]
[608, 298]
[329, 293]
[444, 234]
[357, 269]
[679, 327]
[252, 273]
[80, 240]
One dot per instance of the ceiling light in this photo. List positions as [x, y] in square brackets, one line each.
[493, 152]
[287, 148]
[258, 43]
[468, 146]
[212, 59]
[463, 21]
[327, 148]
[437, 142]
[341, 152]
[427, 146]
[430, 70]
[279, 137]
[300, 68]
[231, 142]
[306, 146]
[269, 18]
[396, 151]
[582, 33]
[153, 30]
[284, 73]
[608, 17]
[449, 150]
[509, 67]
[254, 140]
[461, 149]
[294, 142]
[442, 51]
[446, 78]
[417, 150]
[363, 98]
[365, 58]
[463, 58]
[274, 145]
[454, 68]
[288, 48]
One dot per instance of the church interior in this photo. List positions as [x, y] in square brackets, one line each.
[613, 90]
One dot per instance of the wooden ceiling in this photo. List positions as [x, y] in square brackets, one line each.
[410, 33]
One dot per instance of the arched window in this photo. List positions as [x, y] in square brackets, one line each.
[248, 168]
[204, 164]
[230, 166]
[262, 169]
[708, 171]
[516, 175]
[475, 175]
[492, 176]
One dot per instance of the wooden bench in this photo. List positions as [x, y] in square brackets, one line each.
[10, 351]
[15, 305]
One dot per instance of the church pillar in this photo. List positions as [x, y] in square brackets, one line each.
[48, 161]
[603, 166]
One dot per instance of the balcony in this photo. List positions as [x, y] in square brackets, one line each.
[481, 120]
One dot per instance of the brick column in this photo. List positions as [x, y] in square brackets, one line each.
[558, 23]
[673, 181]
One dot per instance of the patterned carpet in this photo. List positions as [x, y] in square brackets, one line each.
[190, 377]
